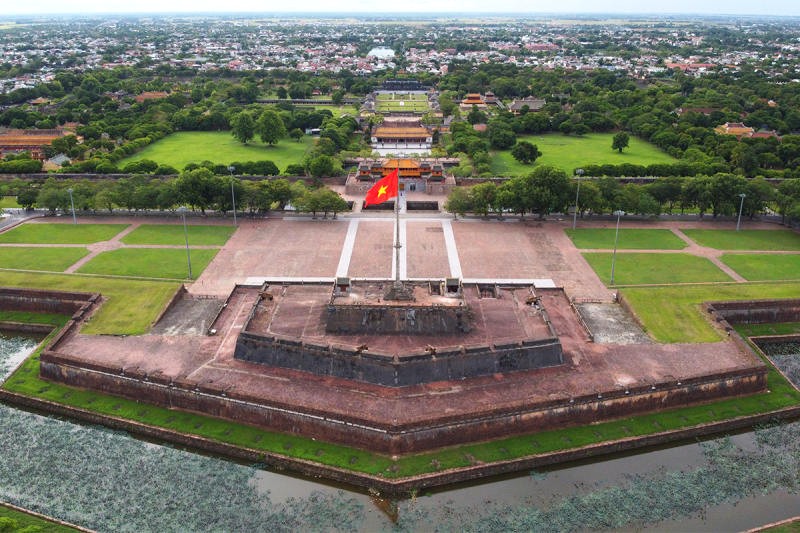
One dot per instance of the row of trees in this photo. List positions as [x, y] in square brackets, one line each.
[200, 189]
[548, 190]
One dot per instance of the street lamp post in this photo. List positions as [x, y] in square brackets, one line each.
[579, 173]
[182, 211]
[616, 240]
[741, 205]
[72, 203]
[233, 196]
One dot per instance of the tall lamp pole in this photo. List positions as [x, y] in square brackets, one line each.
[182, 211]
[741, 205]
[72, 203]
[579, 174]
[616, 240]
[233, 196]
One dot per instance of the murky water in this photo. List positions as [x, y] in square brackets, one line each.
[111, 482]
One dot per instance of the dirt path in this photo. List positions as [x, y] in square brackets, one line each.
[100, 247]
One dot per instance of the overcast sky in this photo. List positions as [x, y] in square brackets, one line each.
[750, 7]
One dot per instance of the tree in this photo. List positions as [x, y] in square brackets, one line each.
[501, 135]
[476, 116]
[270, 127]
[296, 134]
[525, 152]
[243, 127]
[322, 165]
[458, 202]
[620, 142]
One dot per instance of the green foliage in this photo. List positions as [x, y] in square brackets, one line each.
[270, 127]
[620, 141]
[243, 127]
[525, 152]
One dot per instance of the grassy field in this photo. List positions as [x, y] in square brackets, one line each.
[755, 330]
[571, 152]
[646, 269]
[46, 259]
[629, 239]
[8, 201]
[401, 102]
[673, 314]
[764, 267]
[767, 240]
[167, 263]
[173, 234]
[33, 318]
[26, 381]
[131, 308]
[180, 149]
[30, 523]
[45, 233]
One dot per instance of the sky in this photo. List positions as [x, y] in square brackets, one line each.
[706, 7]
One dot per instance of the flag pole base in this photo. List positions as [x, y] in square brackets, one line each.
[399, 291]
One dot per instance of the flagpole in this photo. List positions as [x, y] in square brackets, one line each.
[397, 245]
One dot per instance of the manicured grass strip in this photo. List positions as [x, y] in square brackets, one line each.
[27, 317]
[755, 239]
[646, 269]
[569, 152]
[185, 147]
[131, 306]
[792, 526]
[46, 259]
[173, 234]
[26, 381]
[673, 314]
[629, 239]
[22, 521]
[48, 233]
[167, 263]
[8, 201]
[756, 330]
[757, 267]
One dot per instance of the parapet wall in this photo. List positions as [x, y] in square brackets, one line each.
[401, 438]
[454, 363]
[756, 311]
[409, 319]
[44, 301]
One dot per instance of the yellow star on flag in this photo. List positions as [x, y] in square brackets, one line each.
[382, 190]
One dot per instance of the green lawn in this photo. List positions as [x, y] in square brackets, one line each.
[569, 152]
[173, 234]
[8, 201]
[755, 330]
[645, 269]
[131, 308]
[47, 259]
[30, 317]
[629, 239]
[49, 233]
[764, 267]
[673, 314]
[180, 149]
[30, 523]
[167, 263]
[753, 239]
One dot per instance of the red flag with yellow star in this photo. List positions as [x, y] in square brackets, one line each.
[384, 188]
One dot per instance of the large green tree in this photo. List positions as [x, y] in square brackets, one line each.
[243, 127]
[270, 127]
[525, 152]
[620, 141]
